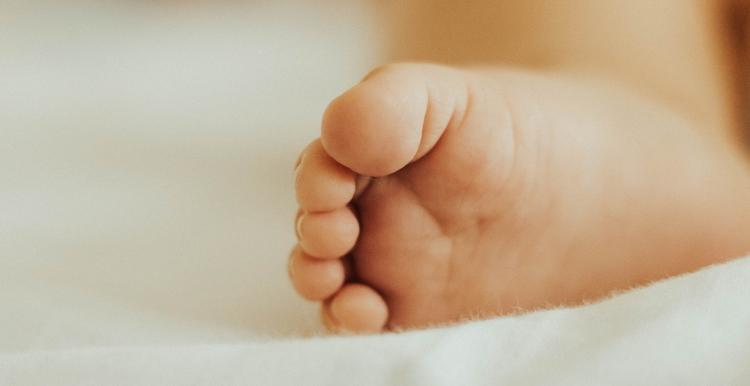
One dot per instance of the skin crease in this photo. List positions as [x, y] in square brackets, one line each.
[502, 190]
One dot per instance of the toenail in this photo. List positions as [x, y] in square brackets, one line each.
[290, 266]
[327, 315]
[299, 225]
[299, 161]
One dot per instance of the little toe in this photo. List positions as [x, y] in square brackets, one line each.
[328, 234]
[356, 308]
[315, 279]
[322, 184]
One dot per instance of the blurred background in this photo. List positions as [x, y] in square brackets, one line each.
[146, 155]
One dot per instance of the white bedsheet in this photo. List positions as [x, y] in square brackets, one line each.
[146, 206]
[692, 330]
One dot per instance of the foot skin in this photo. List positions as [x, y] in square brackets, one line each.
[436, 195]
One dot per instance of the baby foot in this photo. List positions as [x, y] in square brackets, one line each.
[436, 195]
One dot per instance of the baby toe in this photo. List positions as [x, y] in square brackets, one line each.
[328, 234]
[315, 279]
[322, 184]
[356, 308]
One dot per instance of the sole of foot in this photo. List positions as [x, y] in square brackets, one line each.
[436, 195]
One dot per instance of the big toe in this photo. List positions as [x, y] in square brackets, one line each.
[391, 118]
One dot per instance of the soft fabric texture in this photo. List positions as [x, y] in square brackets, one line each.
[692, 330]
[146, 155]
